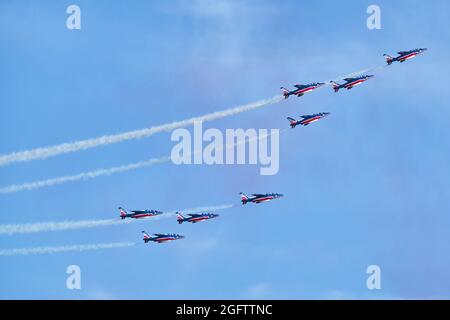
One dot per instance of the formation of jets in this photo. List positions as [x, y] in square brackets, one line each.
[301, 89]
[191, 217]
[305, 120]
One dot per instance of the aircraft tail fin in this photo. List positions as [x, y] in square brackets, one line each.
[285, 92]
[180, 218]
[336, 86]
[244, 198]
[389, 59]
[123, 212]
[292, 121]
[146, 237]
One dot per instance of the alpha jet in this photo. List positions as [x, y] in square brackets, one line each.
[307, 119]
[161, 237]
[301, 89]
[350, 82]
[258, 198]
[137, 214]
[404, 55]
[195, 217]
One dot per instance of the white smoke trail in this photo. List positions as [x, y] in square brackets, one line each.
[359, 73]
[45, 152]
[328, 83]
[51, 250]
[81, 176]
[11, 229]
[103, 172]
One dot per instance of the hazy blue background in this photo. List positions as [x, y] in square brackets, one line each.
[368, 185]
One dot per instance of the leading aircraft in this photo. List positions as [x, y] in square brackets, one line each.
[137, 214]
[307, 119]
[404, 55]
[301, 89]
[195, 217]
[258, 198]
[350, 82]
[161, 237]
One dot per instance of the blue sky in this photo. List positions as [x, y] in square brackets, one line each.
[368, 185]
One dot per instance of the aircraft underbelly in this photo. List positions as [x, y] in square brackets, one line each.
[311, 120]
[137, 216]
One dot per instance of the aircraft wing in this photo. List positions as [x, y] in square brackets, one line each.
[402, 52]
[349, 79]
[258, 195]
[299, 86]
[194, 215]
[159, 234]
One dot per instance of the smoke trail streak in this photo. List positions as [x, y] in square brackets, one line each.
[51, 151]
[358, 73]
[61, 249]
[81, 176]
[28, 186]
[11, 229]
[354, 74]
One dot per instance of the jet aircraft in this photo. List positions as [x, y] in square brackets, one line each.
[137, 214]
[350, 82]
[161, 237]
[301, 89]
[195, 217]
[307, 119]
[258, 198]
[404, 55]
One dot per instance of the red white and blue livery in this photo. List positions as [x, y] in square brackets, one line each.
[404, 55]
[350, 82]
[301, 89]
[307, 119]
[138, 214]
[195, 217]
[258, 197]
[161, 237]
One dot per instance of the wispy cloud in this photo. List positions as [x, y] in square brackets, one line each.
[258, 291]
